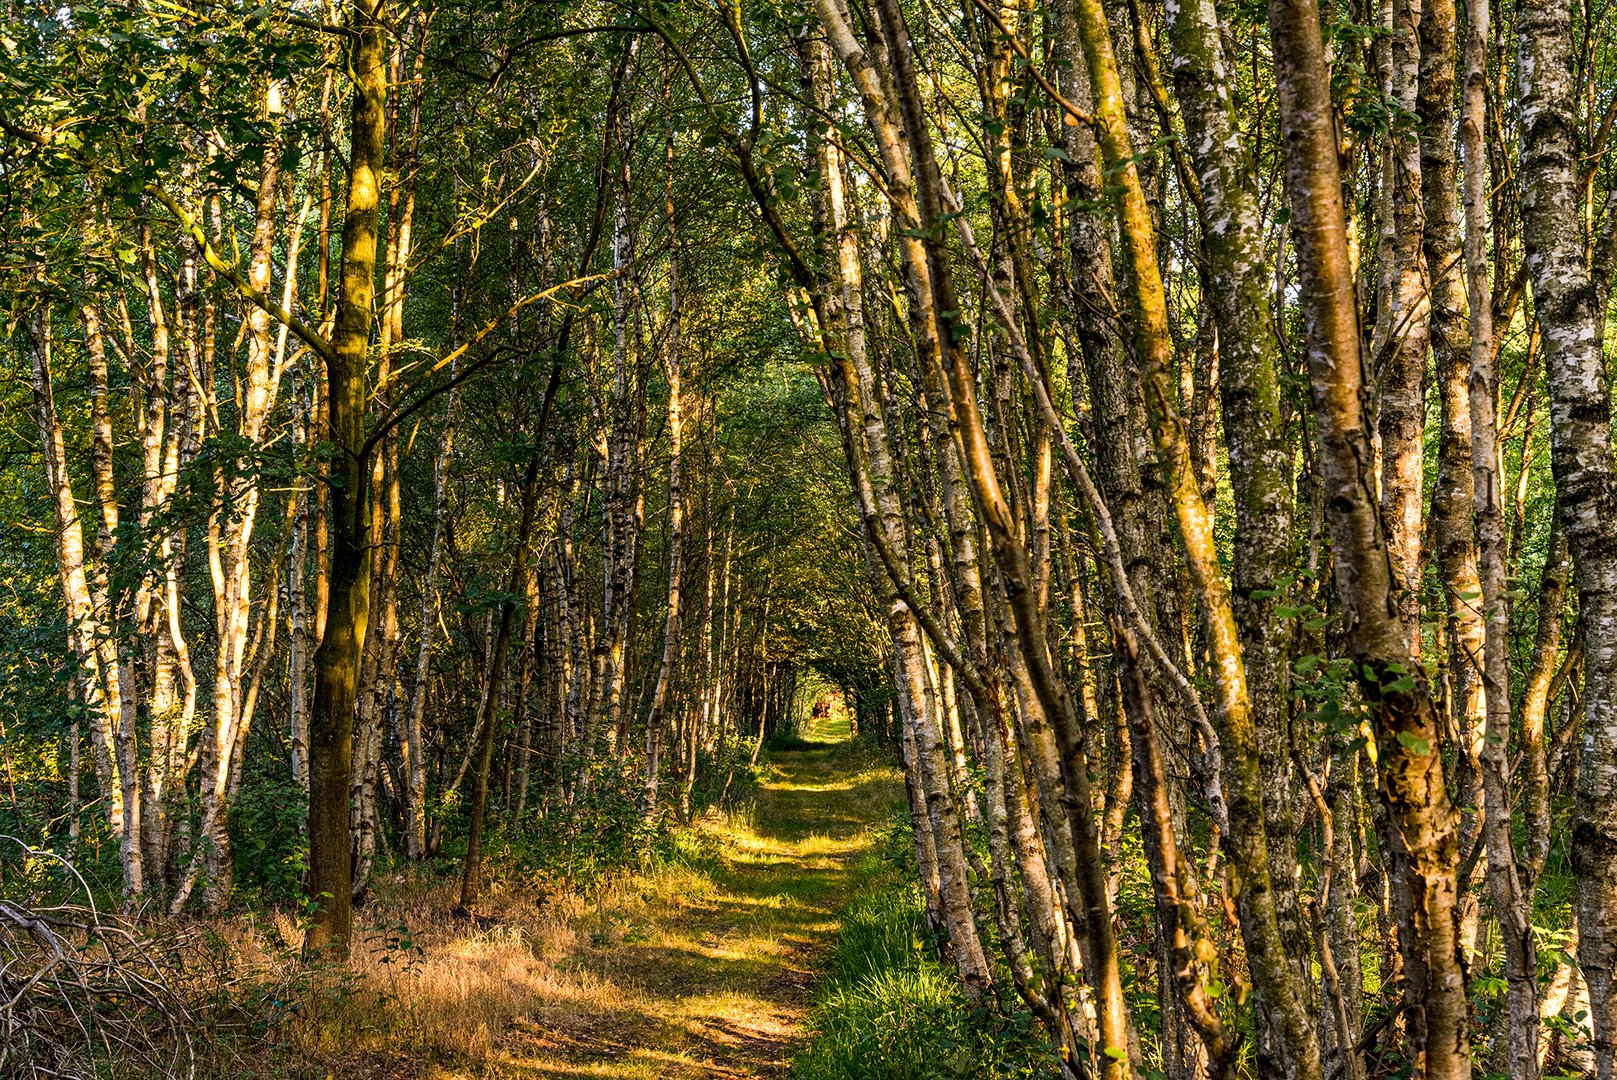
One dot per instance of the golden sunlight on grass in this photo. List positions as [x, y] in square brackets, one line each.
[698, 968]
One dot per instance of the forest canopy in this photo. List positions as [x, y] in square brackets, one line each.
[441, 436]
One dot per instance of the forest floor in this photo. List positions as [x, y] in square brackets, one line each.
[702, 967]
[716, 980]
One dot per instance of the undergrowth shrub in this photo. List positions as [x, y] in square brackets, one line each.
[890, 1009]
[576, 845]
[604, 830]
[268, 840]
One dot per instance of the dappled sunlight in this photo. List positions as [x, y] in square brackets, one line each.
[701, 965]
[700, 968]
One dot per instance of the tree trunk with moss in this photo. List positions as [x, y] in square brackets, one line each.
[1585, 475]
[336, 661]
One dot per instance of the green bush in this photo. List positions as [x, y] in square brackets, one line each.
[600, 831]
[268, 841]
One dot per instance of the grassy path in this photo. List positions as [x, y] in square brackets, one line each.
[709, 971]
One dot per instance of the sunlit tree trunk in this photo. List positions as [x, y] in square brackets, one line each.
[1398, 348]
[95, 648]
[1424, 853]
[229, 540]
[1468, 488]
[622, 495]
[1282, 984]
[1237, 278]
[336, 661]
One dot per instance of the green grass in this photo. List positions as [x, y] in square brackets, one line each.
[890, 1009]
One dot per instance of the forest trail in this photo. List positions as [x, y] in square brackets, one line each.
[711, 973]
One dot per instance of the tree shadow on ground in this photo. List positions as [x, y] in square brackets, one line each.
[715, 977]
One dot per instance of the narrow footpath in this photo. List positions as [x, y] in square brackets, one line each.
[710, 971]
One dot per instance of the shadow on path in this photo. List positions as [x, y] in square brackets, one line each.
[710, 971]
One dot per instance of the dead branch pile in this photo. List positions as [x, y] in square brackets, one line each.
[82, 992]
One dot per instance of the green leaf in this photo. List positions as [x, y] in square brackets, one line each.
[1414, 743]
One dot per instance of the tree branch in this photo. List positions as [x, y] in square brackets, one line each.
[310, 336]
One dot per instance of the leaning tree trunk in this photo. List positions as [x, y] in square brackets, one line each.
[1281, 981]
[472, 871]
[871, 465]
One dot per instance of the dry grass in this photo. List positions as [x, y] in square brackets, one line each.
[701, 967]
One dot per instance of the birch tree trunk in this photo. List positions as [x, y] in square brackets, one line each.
[1281, 976]
[1585, 475]
[230, 533]
[655, 720]
[1424, 854]
[95, 647]
[1237, 278]
[414, 763]
[1398, 351]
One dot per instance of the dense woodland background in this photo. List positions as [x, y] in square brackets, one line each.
[466, 435]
